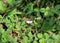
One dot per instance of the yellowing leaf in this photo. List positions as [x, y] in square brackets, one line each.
[2, 7]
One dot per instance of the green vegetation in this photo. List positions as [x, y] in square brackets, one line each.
[29, 21]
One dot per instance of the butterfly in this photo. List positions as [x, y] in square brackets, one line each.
[29, 21]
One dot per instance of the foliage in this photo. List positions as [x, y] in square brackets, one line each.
[29, 21]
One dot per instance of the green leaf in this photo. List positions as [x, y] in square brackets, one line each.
[46, 35]
[42, 10]
[35, 41]
[11, 39]
[48, 12]
[1, 17]
[18, 25]
[56, 9]
[36, 9]
[25, 39]
[10, 1]
[47, 8]
[14, 12]
[30, 35]
[1, 30]
[42, 40]
[40, 35]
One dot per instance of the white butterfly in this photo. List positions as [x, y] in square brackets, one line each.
[29, 21]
